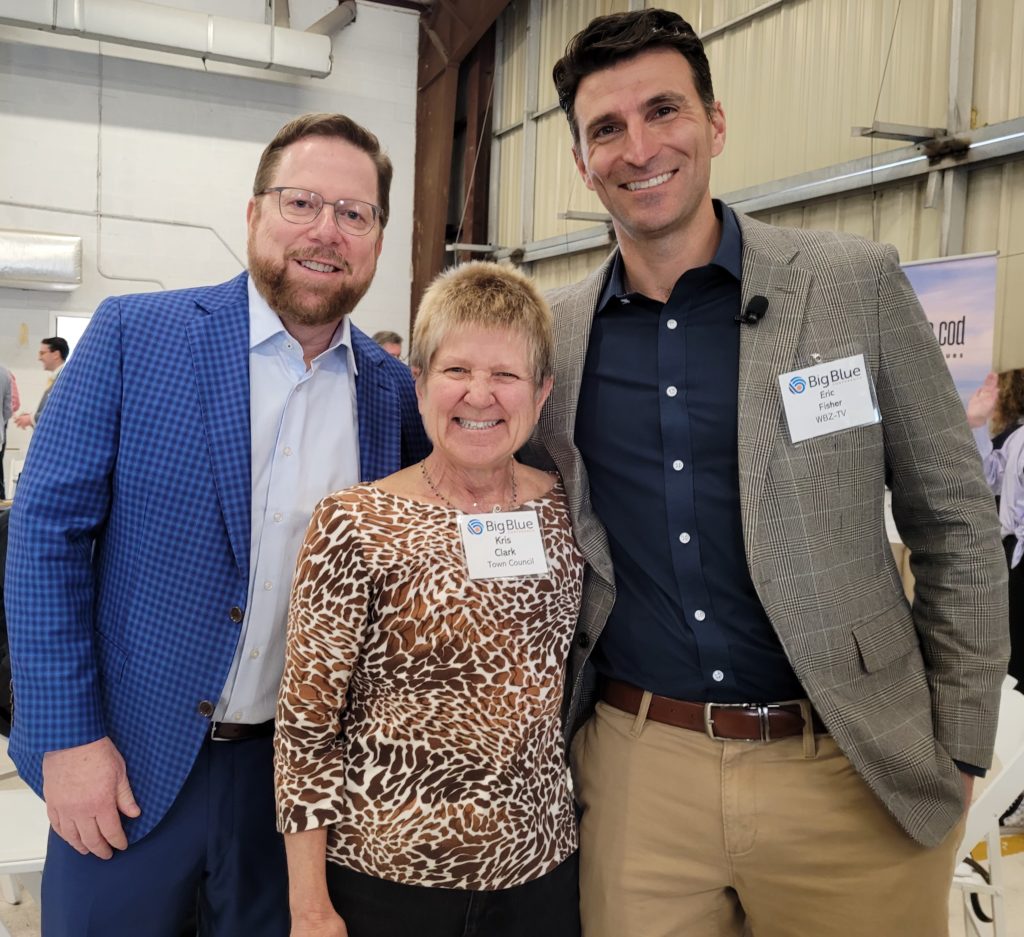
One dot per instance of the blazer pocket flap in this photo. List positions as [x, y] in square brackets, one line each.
[110, 657]
[886, 637]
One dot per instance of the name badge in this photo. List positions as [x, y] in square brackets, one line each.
[502, 544]
[829, 397]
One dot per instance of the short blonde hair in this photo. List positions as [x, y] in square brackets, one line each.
[486, 295]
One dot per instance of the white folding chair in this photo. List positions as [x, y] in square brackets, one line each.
[22, 845]
[983, 839]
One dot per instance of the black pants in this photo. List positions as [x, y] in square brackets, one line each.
[373, 907]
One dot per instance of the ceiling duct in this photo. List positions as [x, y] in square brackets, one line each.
[30, 261]
[148, 26]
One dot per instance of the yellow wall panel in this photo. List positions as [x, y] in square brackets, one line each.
[995, 221]
[794, 81]
[562, 19]
[559, 271]
[559, 188]
[999, 62]
[510, 212]
[511, 61]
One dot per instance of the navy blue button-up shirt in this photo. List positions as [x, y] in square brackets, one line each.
[656, 425]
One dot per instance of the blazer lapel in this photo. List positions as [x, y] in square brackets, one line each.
[574, 309]
[219, 342]
[767, 350]
[375, 410]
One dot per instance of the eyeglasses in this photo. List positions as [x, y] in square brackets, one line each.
[301, 207]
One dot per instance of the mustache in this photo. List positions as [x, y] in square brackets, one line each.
[321, 256]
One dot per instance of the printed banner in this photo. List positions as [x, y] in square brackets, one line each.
[959, 299]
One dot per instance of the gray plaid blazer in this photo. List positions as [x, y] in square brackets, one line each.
[904, 689]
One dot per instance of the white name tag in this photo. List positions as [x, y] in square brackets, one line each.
[829, 397]
[504, 544]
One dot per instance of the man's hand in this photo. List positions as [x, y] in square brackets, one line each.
[84, 788]
[24, 421]
[968, 780]
[323, 924]
[982, 403]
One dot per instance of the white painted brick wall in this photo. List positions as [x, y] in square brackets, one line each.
[176, 145]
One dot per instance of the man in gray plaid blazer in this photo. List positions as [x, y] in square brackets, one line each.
[781, 742]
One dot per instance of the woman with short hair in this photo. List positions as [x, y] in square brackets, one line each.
[419, 740]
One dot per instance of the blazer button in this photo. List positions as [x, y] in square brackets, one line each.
[205, 708]
[583, 639]
[235, 614]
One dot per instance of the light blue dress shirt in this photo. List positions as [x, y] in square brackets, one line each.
[305, 444]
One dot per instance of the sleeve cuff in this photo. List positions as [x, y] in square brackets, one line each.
[972, 770]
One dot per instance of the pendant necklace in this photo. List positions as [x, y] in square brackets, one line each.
[513, 504]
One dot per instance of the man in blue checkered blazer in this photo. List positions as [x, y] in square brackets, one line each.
[153, 541]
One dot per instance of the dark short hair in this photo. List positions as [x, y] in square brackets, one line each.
[608, 40]
[328, 125]
[57, 344]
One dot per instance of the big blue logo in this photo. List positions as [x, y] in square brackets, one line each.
[797, 385]
[475, 527]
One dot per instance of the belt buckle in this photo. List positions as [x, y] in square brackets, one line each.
[213, 733]
[762, 716]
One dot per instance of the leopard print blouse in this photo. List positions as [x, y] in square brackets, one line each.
[419, 713]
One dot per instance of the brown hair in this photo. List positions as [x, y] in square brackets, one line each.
[328, 125]
[1010, 402]
[608, 40]
[488, 295]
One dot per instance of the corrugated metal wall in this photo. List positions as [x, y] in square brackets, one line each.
[793, 81]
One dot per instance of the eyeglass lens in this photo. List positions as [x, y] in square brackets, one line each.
[352, 215]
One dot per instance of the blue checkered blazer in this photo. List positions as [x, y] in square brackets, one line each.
[129, 539]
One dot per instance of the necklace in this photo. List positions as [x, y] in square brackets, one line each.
[513, 504]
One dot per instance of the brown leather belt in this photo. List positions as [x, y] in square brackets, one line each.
[750, 722]
[241, 731]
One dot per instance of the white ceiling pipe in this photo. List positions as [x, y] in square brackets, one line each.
[148, 26]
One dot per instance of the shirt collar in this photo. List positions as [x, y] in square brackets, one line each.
[729, 255]
[265, 324]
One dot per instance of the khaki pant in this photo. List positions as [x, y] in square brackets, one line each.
[685, 836]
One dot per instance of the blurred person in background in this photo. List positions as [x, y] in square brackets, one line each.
[53, 353]
[391, 342]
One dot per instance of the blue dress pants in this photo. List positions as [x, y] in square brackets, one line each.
[216, 851]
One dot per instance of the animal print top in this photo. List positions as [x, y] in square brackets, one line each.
[419, 713]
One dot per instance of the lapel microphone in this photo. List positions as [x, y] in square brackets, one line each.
[755, 311]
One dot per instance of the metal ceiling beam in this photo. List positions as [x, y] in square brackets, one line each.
[986, 146]
[452, 28]
[963, 26]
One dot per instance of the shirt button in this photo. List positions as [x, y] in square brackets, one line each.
[671, 391]
[678, 465]
[624, 300]
[278, 517]
[671, 323]
[235, 614]
[237, 717]
[268, 585]
[254, 653]
[684, 537]
[205, 708]
[287, 450]
[699, 614]
[718, 676]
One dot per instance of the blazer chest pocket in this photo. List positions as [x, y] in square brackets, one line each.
[886, 637]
